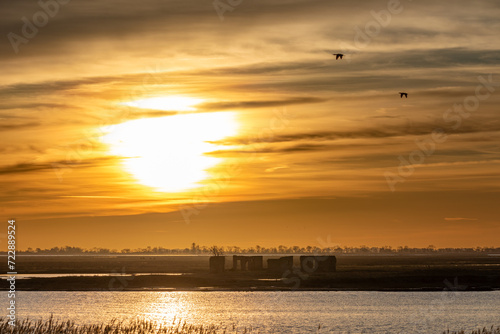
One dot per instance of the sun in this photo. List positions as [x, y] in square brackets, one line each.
[169, 153]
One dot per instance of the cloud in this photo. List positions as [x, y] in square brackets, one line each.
[93, 196]
[93, 55]
[378, 132]
[17, 126]
[27, 167]
[288, 149]
[214, 106]
[273, 169]
[24, 105]
[51, 87]
[460, 219]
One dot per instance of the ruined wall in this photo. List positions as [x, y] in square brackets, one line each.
[318, 264]
[280, 265]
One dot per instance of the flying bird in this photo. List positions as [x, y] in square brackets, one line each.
[403, 94]
[338, 55]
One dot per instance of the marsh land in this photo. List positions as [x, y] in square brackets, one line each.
[191, 272]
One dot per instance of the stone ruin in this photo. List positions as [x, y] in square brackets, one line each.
[252, 263]
[280, 265]
[318, 264]
[310, 264]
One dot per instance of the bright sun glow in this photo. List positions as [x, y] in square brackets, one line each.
[167, 153]
[167, 103]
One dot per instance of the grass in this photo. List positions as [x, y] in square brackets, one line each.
[485, 330]
[114, 327]
[52, 326]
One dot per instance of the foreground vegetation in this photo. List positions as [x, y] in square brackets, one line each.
[114, 327]
[485, 330]
[144, 327]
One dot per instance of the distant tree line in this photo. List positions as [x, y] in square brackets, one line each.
[207, 250]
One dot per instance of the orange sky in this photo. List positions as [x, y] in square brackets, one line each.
[164, 123]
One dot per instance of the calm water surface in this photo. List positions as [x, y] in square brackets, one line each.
[276, 312]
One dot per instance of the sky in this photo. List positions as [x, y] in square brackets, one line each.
[162, 123]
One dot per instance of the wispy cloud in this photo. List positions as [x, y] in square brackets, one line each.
[17, 126]
[215, 106]
[387, 131]
[91, 196]
[460, 219]
[54, 165]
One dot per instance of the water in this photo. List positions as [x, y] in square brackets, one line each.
[276, 312]
[27, 276]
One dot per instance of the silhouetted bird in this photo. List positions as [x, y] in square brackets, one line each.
[403, 94]
[338, 55]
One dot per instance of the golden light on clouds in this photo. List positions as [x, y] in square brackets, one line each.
[168, 103]
[168, 153]
[343, 124]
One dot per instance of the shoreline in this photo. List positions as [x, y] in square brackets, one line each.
[264, 290]
[428, 281]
